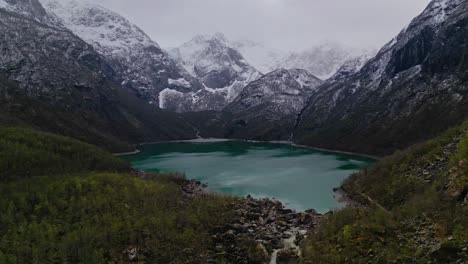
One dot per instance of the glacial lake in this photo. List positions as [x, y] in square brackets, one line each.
[301, 178]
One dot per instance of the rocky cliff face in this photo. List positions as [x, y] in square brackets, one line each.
[268, 107]
[143, 67]
[414, 87]
[222, 70]
[54, 80]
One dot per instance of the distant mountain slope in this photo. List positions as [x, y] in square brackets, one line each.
[51, 79]
[144, 68]
[413, 88]
[222, 70]
[322, 60]
[259, 55]
[267, 108]
[350, 67]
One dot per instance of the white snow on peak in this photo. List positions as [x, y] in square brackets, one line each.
[322, 60]
[104, 29]
[433, 16]
[263, 58]
[198, 52]
[218, 65]
[180, 82]
[352, 66]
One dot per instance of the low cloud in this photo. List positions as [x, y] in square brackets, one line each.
[285, 24]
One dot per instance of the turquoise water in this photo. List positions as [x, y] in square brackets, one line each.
[300, 178]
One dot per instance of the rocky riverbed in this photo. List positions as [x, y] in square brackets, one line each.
[271, 231]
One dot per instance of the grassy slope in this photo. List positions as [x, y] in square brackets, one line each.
[418, 210]
[56, 211]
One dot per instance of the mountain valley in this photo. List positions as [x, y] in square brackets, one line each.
[79, 81]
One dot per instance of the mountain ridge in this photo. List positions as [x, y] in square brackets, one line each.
[143, 67]
[322, 60]
[222, 70]
[416, 76]
[73, 88]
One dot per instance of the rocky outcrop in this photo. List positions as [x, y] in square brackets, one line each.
[457, 185]
[412, 89]
[273, 231]
[262, 227]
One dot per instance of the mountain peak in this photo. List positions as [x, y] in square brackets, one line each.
[145, 69]
[221, 69]
[279, 71]
[219, 36]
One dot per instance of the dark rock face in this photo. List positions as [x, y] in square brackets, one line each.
[48, 66]
[39, 70]
[414, 88]
[221, 78]
[267, 108]
[31, 8]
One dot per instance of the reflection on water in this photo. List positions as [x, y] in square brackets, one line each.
[301, 178]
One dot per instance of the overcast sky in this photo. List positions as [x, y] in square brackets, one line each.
[285, 24]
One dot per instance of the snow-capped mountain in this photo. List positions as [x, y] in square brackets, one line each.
[269, 106]
[222, 70]
[415, 87]
[288, 89]
[350, 67]
[263, 58]
[53, 80]
[144, 67]
[322, 60]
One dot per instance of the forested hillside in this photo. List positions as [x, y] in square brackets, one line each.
[415, 209]
[64, 202]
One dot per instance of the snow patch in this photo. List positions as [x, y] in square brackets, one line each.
[180, 82]
[102, 28]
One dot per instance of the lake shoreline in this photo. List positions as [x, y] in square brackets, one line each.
[284, 142]
[277, 229]
[339, 201]
[126, 153]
